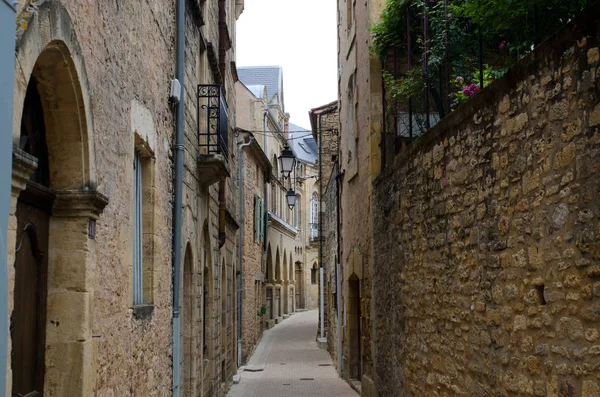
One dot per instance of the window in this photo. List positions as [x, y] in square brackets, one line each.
[313, 274]
[143, 226]
[349, 14]
[351, 117]
[138, 260]
[314, 216]
[259, 219]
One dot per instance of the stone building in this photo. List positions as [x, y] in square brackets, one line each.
[266, 117]
[325, 127]
[257, 169]
[360, 114]
[91, 219]
[307, 212]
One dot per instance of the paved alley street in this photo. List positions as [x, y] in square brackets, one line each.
[288, 362]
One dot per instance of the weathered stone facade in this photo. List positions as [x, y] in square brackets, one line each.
[325, 126]
[210, 224]
[256, 169]
[94, 343]
[263, 111]
[360, 112]
[103, 72]
[486, 237]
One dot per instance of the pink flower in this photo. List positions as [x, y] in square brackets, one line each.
[502, 45]
[460, 79]
[470, 90]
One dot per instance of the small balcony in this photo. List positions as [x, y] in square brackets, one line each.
[213, 134]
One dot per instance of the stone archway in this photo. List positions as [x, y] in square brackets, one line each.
[207, 310]
[269, 285]
[300, 286]
[277, 288]
[285, 285]
[187, 312]
[58, 178]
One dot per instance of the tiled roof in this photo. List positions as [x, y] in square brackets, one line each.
[269, 76]
[303, 144]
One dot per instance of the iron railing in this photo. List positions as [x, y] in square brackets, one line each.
[436, 58]
[213, 128]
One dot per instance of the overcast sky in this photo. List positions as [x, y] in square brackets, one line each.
[301, 37]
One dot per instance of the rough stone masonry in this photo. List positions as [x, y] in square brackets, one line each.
[487, 238]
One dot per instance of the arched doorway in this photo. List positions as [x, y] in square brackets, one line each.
[277, 287]
[34, 206]
[207, 298]
[268, 279]
[285, 284]
[299, 286]
[223, 296]
[57, 207]
[354, 331]
[187, 329]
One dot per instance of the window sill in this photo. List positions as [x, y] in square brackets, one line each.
[143, 312]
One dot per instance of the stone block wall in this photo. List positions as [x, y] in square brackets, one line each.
[486, 237]
[253, 290]
[330, 259]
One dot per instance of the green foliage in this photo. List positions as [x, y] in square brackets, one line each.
[262, 311]
[406, 87]
[391, 31]
[519, 23]
[506, 30]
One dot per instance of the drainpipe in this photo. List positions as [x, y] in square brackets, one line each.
[321, 281]
[178, 197]
[7, 77]
[241, 220]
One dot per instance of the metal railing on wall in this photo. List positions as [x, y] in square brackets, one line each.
[437, 54]
[213, 125]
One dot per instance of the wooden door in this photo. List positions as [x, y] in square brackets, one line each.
[28, 320]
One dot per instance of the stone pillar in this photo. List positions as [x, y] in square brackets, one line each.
[70, 358]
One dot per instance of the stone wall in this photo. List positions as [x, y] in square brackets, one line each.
[119, 77]
[211, 369]
[330, 259]
[101, 51]
[253, 252]
[486, 238]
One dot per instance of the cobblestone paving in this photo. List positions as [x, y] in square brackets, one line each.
[288, 362]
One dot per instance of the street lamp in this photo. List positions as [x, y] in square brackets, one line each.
[287, 161]
[291, 198]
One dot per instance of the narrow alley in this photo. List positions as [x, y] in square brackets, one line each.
[288, 362]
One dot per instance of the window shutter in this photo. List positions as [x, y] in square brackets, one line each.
[256, 219]
[262, 220]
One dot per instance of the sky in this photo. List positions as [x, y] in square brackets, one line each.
[301, 37]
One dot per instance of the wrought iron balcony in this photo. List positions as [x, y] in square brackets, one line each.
[213, 125]
[213, 133]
